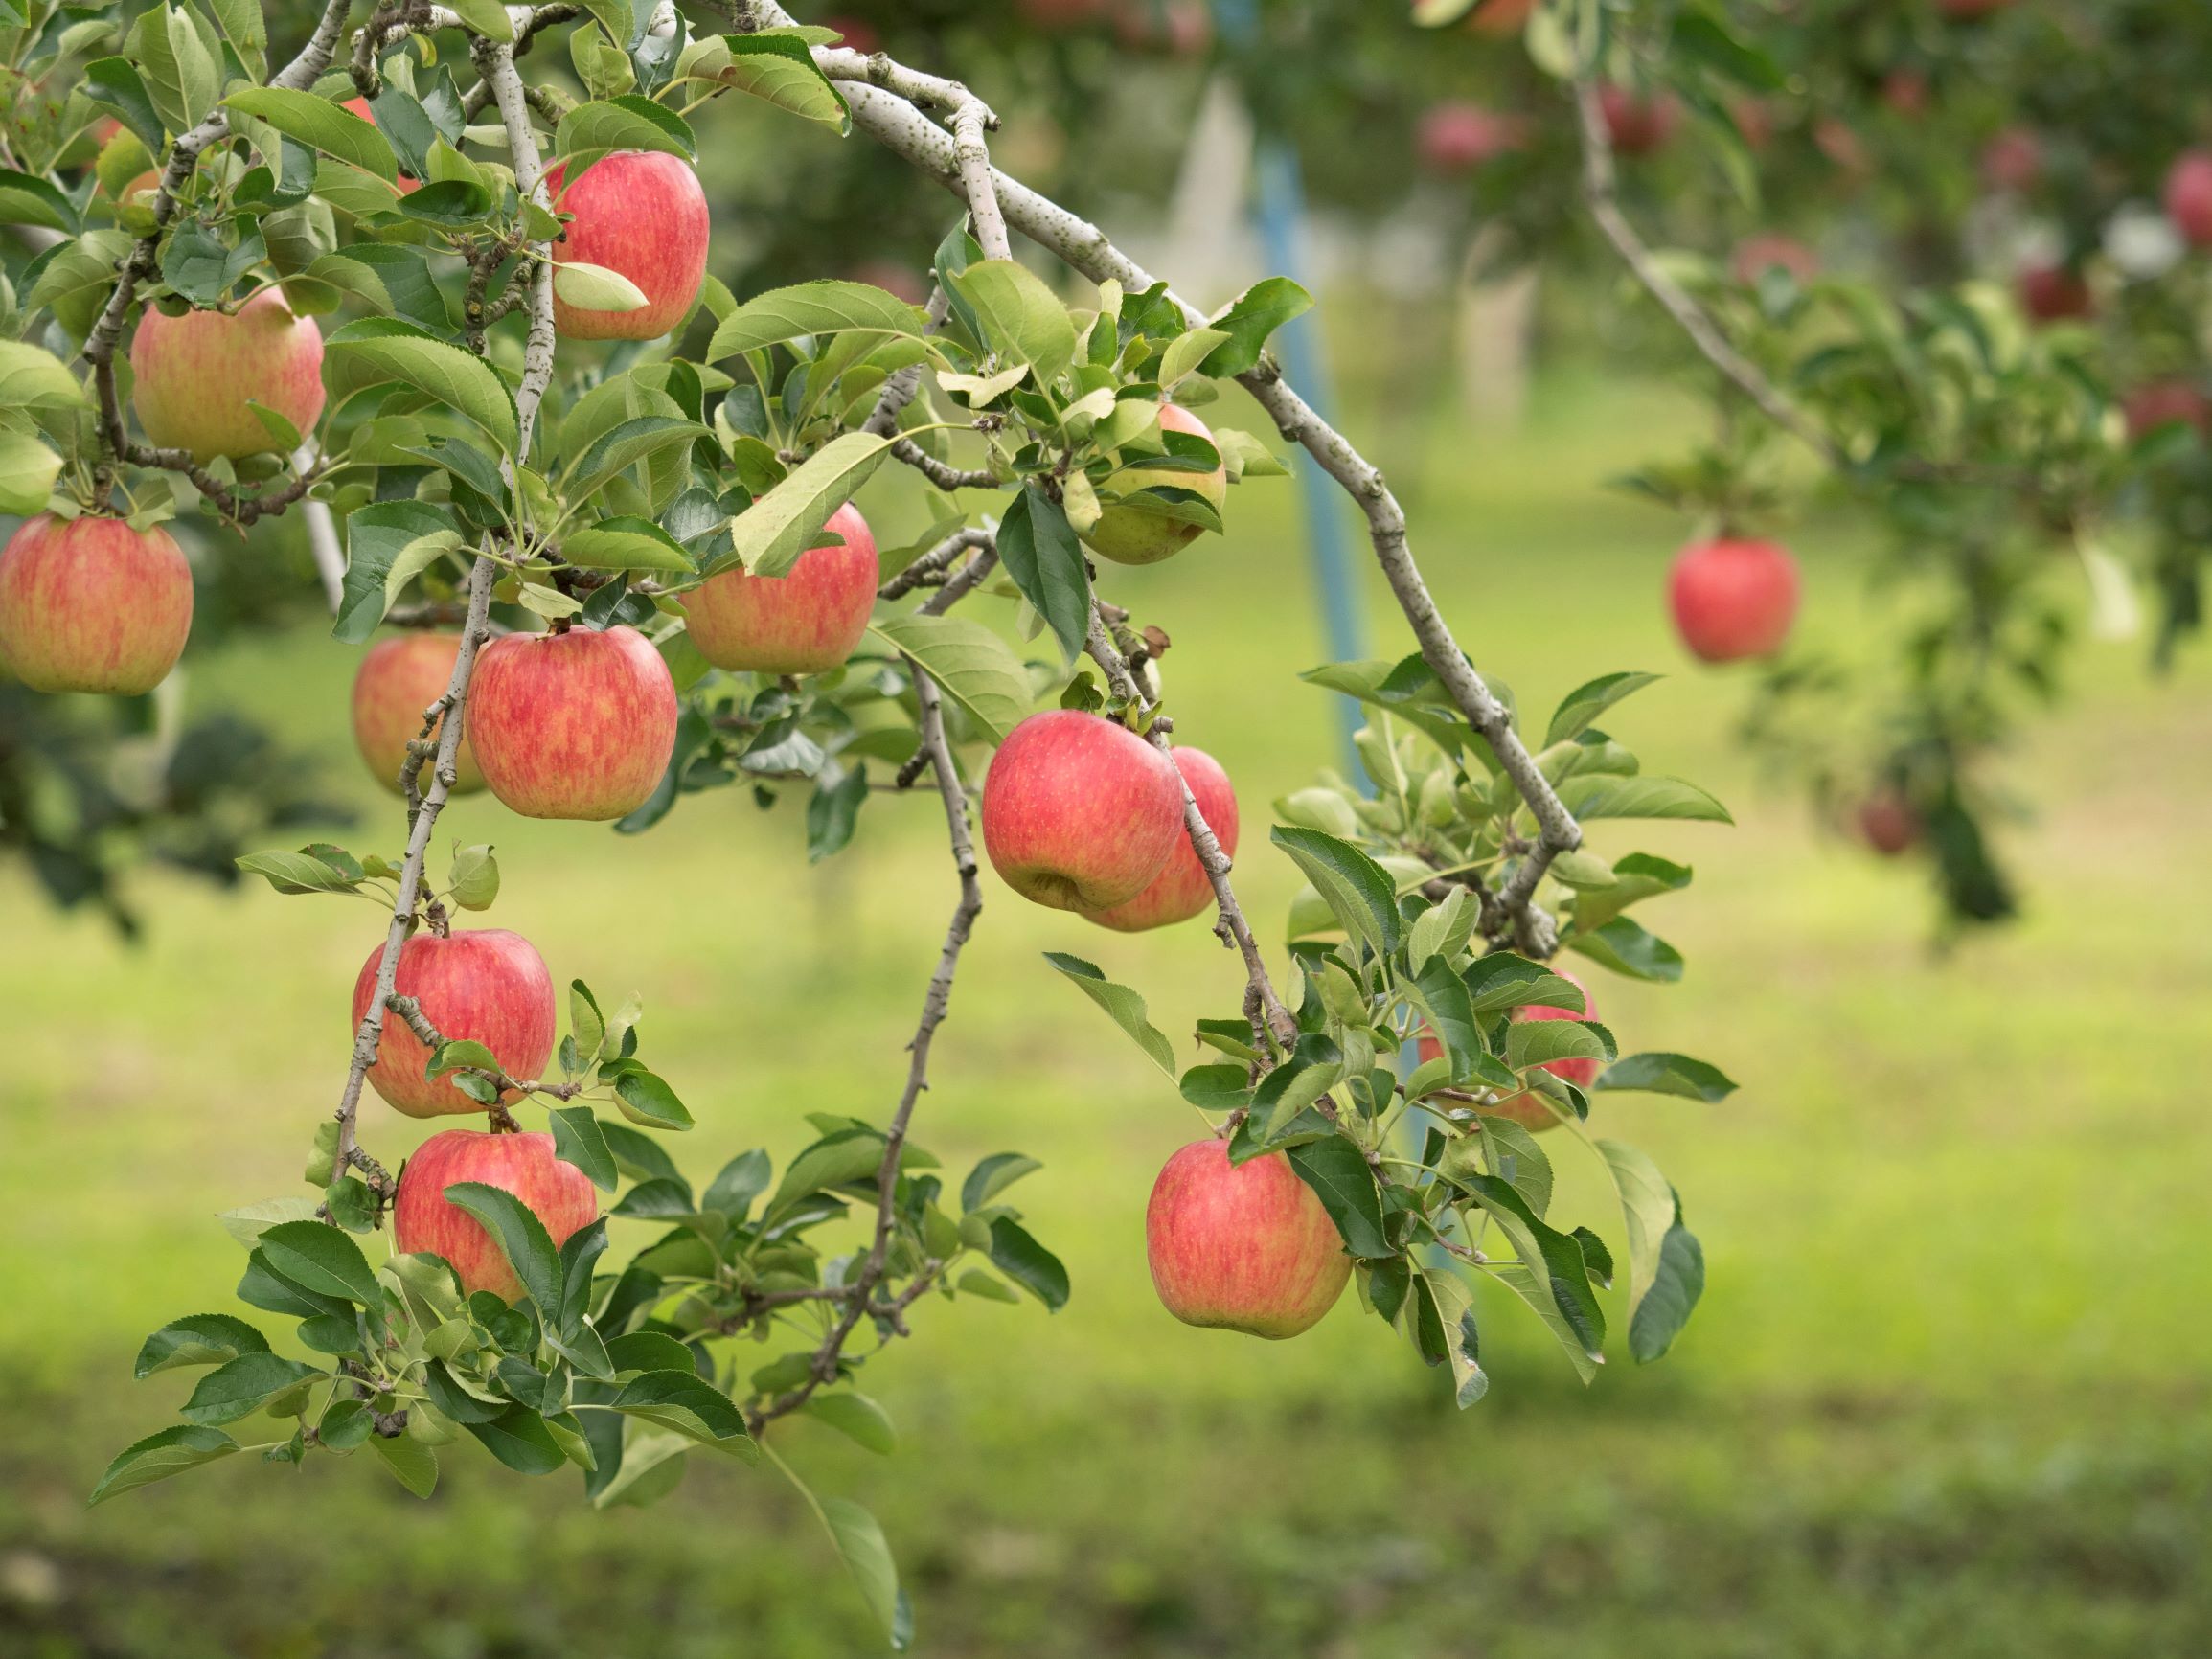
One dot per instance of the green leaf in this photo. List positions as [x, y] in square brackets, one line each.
[784, 523]
[1337, 1172]
[823, 307]
[688, 1404]
[1124, 1006]
[1502, 979]
[521, 1237]
[972, 664]
[1668, 1073]
[1559, 1285]
[626, 122]
[1028, 1263]
[577, 1140]
[1248, 320]
[777, 68]
[626, 544]
[28, 470]
[199, 1339]
[742, 1180]
[977, 1283]
[249, 1221]
[992, 1176]
[321, 125]
[595, 287]
[1647, 1206]
[1676, 1286]
[324, 1259]
[379, 349]
[649, 1351]
[1587, 702]
[158, 1455]
[1600, 795]
[838, 1160]
[858, 1417]
[474, 881]
[645, 1099]
[1358, 891]
[298, 873]
[1539, 1042]
[114, 84]
[411, 1462]
[1442, 1312]
[1022, 318]
[519, 1438]
[31, 378]
[1636, 876]
[860, 1541]
[27, 199]
[622, 446]
[1038, 549]
[1624, 945]
[244, 1385]
[1514, 1156]
[1217, 1088]
[485, 17]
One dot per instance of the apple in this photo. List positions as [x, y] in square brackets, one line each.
[90, 604]
[195, 374]
[1757, 253]
[1131, 535]
[2014, 159]
[1733, 598]
[1905, 91]
[1500, 17]
[1889, 823]
[572, 725]
[1754, 119]
[2162, 402]
[856, 35]
[1839, 142]
[1079, 812]
[360, 106]
[397, 681]
[2055, 293]
[641, 213]
[1639, 123]
[1245, 1248]
[805, 622]
[1183, 889]
[2189, 196]
[488, 986]
[424, 1219]
[1457, 135]
[1531, 1110]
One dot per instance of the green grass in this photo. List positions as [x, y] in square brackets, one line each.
[1945, 1393]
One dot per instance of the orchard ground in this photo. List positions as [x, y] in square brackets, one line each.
[1948, 1391]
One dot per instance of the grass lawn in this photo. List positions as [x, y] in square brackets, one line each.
[1947, 1393]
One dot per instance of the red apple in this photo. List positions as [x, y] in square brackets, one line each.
[572, 725]
[1080, 813]
[1733, 598]
[859, 35]
[1458, 135]
[1639, 123]
[1839, 142]
[397, 681]
[805, 622]
[1131, 535]
[489, 986]
[1754, 119]
[1183, 889]
[2162, 402]
[360, 106]
[640, 213]
[2055, 293]
[1531, 1110]
[195, 374]
[1889, 823]
[1245, 1248]
[1500, 17]
[424, 1219]
[2014, 159]
[1905, 91]
[1757, 253]
[2189, 196]
[90, 604]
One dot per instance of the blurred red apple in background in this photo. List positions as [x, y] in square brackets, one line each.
[2055, 293]
[1763, 249]
[2014, 159]
[1889, 823]
[1733, 598]
[2189, 196]
[1639, 123]
[1458, 135]
[2162, 402]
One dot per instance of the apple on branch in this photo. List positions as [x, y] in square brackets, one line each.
[1733, 598]
[1243, 1247]
[640, 214]
[1080, 812]
[486, 985]
[90, 604]
[397, 681]
[805, 622]
[579, 724]
[1531, 1110]
[196, 377]
[1129, 533]
[423, 1219]
[1182, 889]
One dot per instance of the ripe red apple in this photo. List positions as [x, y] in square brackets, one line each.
[2189, 196]
[1183, 889]
[195, 373]
[1079, 812]
[423, 1219]
[1457, 136]
[2162, 402]
[1755, 253]
[1639, 123]
[1131, 535]
[805, 622]
[1246, 1248]
[1529, 1110]
[90, 604]
[1889, 823]
[640, 213]
[397, 681]
[1500, 17]
[2013, 160]
[360, 106]
[488, 986]
[572, 725]
[1733, 598]
[2055, 293]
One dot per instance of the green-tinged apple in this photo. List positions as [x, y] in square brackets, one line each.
[805, 622]
[424, 1219]
[488, 986]
[1079, 812]
[572, 725]
[1127, 532]
[398, 680]
[1733, 598]
[195, 377]
[1245, 1247]
[1531, 1110]
[640, 213]
[1183, 889]
[90, 604]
